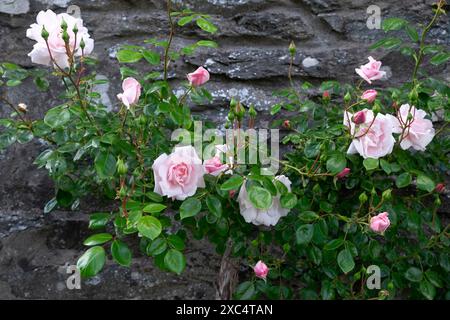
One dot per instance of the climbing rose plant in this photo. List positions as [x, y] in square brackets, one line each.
[360, 185]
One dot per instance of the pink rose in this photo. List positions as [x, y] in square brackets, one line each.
[345, 172]
[369, 95]
[420, 131]
[131, 92]
[380, 222]
[198, 77]
[214, 166]
[261, 270]
[371, 70]
[359, 117]
[52, 23]
[256, 216]
[372, 138]
[440, 187]
[179, 174]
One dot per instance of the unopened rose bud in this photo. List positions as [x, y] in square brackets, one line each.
[239, 111]
[231, 116]
[231, 193]
[65, 36]
[75, 29]
[22, 107]
[82, 44]
[413, 95]
[440, 187]
[261, 270]
[227, 125]
[347, 97]
[326, 96]
[345, 172]
[387, 195]
[409, 117]
[292, 49]
[363, 198]
[64, 25]
[286, 124]
[359, 117]
[380, 222]
[44, 33]
[376, 108]
[369, 95]
[122, 167]
[233, 103]
[252, 112]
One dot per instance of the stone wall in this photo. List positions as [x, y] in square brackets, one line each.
[332, 39]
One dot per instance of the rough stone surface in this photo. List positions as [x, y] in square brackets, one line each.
[332, 39]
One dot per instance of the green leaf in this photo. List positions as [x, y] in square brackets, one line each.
[190, 207]
[440, 58]
[275, 109]
[98, 238]
[334, 244]
[185, 20]
[260, 198]
[57, 117]
[434, 278]
[413, 274]
[425, 183]
[304, 233]
[176, 242]
[214, 205]
[427, 289]
[98, 220]
[308, 216]
[207, 43]
[206, 25]
[232, 183]
[412, 33]
[149, 227]
[370, 164]
[288, 201]
[246, 290]
[403, 180]
[175, 261]
[345, 261]
[385, 166]
[156, 247]
[121, 253]
[105, 164]
[91, 262]
[128, 56]
[387, 43]
[391, 24]
[151, 57]
[336, 163]
[154, 208]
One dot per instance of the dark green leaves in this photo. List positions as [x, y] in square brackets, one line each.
[232, 183]
[206, 25]
[440, 58]
[413, 274]
[403, 180]
[91, 262]
[105, 164]
[96, 239]
[334, 244]
[57, 117]
[149, 227]
[128, 56]
[425, 183]
[121, 253]
[260, 198]
[154, 208]
[387, 43]
[214, 205]
[246, 290]
[98, 220]
[175, 261]
[304, 234]
[345, 261]
[370, 164]
[391, 24]
[336, 163]
[151, 57]
[190, 207]
[288, 200]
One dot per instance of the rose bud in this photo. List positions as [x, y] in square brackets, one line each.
[345, 172]
[232, 193]
[380, 222]
[261, 270]
[286, 124]
[22, 107]
[198, 77]
[440, 187]
[359, 117]
[326, 96]
[369, 95]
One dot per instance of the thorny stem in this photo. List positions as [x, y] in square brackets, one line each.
[171, 34]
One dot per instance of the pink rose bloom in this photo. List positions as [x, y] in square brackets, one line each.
[179, 174]
[256, 216]
[371, 70]
[345, 172]
[380, 222]
[369, 95]
[420, 131]
[198, 77]
[214, 166]
[261, 270]
[440, 187]
[52, 23]
[131, 92]
[359, 117]
[372, 140]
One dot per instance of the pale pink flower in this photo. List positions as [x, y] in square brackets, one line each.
[380, 222]
[371, 71]
[131, 92]
[179, 174]
[198, 77]
[369, 95]
[52, 23]
[261, 270]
